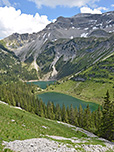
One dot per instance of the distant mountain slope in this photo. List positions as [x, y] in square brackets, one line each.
[91, 84]
[74, 43]
[11, 68]
[102, 71]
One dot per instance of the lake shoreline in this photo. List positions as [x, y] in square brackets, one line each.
[39, 81]
[60, 98]
[32, 81]
[57, 91]
[46, 91]
[41, 84]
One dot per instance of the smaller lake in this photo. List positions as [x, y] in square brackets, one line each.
[59, 98]
[42, 84]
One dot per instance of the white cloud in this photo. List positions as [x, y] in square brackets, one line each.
[86, 9]
[54, 20]
[4, 2]
[68, 3]
[102, 8]
[12, 20]
[112, 5]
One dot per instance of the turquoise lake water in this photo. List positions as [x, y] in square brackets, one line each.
[42, 84]
[59, 98]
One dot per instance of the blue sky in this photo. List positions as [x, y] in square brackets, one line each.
[32, 7]
[27, 16]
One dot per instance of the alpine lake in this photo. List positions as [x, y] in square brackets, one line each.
[60, 98]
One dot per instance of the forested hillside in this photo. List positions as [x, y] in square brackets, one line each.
[103, 71]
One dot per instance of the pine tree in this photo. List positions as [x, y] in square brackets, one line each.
[13, 100]
[106, 128]
[80, 116]
[68, 113]
[45, 110]
[64, 114]
[72, 115]
[98, 116]
[111, 122]
[76, 117]
[50, 113]
[87, 118]
[40, 108]
[93, 121]
[58, 113]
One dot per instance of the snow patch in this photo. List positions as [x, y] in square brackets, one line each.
[54, 40]
[73, 27]
[93, 21]
[94, 28]
[44, 35]
[45, 40]
[71, 37]
[110, 25]
[110, 31]
[109, 21]
[49, 34]
[84, 34]
[86, 28]
[108, 13]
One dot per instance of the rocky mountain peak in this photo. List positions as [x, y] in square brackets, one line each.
[61, 42]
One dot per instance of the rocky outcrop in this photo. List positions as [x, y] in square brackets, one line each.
[37, 145]
[48, 145]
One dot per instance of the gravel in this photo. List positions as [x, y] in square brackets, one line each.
[37, 145]
[47, 145]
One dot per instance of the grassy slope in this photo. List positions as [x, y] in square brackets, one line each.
[99, 78]
[27, 125]
[87, 91]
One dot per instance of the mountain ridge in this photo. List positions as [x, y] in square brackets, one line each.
[30, 47]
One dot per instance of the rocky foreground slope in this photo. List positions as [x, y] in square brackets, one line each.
[25, 132]
[49, 145]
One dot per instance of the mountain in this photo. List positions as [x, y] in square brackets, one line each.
[74, 43]
[11, 68]
[90, 84]
[103, 71]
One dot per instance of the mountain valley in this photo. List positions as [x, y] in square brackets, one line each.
[77, 55]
